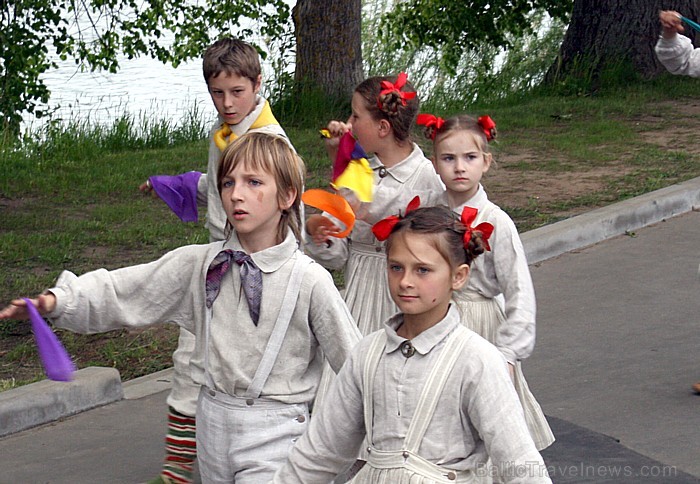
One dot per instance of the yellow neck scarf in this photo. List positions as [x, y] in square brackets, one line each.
[266, 118]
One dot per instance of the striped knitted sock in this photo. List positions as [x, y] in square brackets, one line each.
[180, 448]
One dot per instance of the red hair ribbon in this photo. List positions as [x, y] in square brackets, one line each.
[468, 216]
[388, 87]
[487, 125]
[430, 121]
[383, 228]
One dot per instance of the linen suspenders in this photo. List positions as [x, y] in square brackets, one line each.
[431, 392]
[408, 457]
[278, 332]
[274, 344]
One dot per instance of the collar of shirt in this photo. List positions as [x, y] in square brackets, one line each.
[478, 201]
[403, 170]
[268, 260]
[426, 341]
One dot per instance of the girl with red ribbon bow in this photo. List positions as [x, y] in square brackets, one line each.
[427, 395]
[461, 157]
[383, 113]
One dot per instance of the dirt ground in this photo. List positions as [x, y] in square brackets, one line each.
[524, 189]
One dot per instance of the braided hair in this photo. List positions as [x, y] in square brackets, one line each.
[447, 232]
[401, 114]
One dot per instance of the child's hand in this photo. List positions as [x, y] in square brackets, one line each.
[359, 208]
[147, 188]
[17, 309]
[671, 23]
[338, 128]
[320, 228]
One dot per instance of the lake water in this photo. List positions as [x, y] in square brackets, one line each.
[142, 86]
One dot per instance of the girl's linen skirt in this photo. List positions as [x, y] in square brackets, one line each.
[484, 316]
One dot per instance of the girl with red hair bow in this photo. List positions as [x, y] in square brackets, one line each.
[426, 395]
[499, 300]
[384, 110]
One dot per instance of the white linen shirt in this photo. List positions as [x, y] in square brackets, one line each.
[207, 188]
[504, 270]
[172, 289]
[413, 176]
[678, 55]
[478, 414]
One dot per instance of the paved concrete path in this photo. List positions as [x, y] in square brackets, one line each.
[617, 351]
[618, 341]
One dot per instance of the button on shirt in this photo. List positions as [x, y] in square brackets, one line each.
[478, 400]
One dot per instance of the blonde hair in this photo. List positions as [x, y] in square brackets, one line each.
[272, 154]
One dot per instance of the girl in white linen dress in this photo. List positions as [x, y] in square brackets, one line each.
[461, 157]
[381, 120]
[432, 398]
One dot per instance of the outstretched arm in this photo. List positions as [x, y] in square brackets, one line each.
[135, 296]
[147, 189]
[335, 433]
[676, 52]
[17, 309]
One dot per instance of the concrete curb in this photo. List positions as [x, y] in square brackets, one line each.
[45, 401]
[601, 224]
[148, 384]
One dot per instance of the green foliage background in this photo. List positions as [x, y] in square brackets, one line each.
[94, 33]
[429, 38]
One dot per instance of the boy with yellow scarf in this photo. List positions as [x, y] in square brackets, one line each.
[233, 76]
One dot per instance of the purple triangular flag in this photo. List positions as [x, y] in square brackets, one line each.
[179, 192]
[57, 363]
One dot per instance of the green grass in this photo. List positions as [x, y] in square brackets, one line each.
[69, 199]
[607, 128]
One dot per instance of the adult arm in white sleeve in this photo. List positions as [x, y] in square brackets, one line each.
[678, 55]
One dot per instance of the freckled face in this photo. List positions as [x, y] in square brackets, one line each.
[461, 163]
[249, 198]
[420, 279]
[234, 96]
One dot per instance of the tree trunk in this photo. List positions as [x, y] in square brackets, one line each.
[603, 32]
[328, 45]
